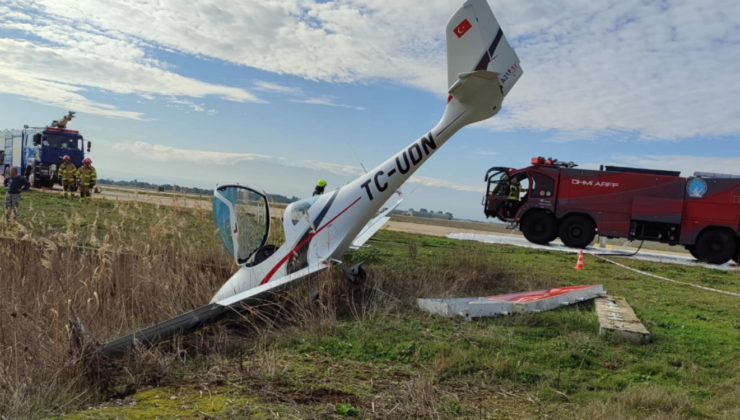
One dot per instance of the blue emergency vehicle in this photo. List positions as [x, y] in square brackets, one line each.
[37, 152]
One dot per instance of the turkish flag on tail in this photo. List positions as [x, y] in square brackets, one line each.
[462, 28]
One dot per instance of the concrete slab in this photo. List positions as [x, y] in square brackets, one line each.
[524, 302]
[617, 317]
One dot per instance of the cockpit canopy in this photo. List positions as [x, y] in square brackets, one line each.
[242, 217]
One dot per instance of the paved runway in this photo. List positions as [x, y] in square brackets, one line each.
[644, 255]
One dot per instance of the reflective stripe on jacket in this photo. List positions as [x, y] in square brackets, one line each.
[514, 192]
[86, 175]
[68, 171]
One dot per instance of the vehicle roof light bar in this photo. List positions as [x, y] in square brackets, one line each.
[552, 162]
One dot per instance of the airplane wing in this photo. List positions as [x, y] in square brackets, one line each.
[371, 228]
[208, 313]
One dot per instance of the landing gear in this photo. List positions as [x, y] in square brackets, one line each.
[355, 274]
[540, 228]
[716, 246]
[577, 231]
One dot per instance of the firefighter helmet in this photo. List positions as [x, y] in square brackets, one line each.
[66, 157]
[321, 183]
[87, 160]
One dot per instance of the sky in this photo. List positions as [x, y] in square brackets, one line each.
[277, 94]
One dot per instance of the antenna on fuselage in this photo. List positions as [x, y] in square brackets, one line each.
[358, 158]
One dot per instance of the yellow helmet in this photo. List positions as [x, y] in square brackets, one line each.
[321, 183]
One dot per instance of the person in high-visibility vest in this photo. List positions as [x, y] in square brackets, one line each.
[88, 177]
[319, 187]
[67, 174]
[514, 189]
[513, 199]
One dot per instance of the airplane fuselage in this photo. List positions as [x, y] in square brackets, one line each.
[332, 222]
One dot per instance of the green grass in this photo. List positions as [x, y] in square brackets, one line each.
[173, 194]
[552, 363]
[51, 211]
[127, 222]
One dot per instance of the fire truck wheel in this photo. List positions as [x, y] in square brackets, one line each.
[540, 228]
[716, 247]
[577, 231]
[692, 251]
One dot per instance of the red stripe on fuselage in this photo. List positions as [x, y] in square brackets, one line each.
[302, 244]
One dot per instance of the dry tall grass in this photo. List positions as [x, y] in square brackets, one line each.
[146, 267]
[115, 276]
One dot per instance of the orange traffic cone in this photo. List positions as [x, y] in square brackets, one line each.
[579, 265]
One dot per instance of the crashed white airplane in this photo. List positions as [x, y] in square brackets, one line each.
[481, 70]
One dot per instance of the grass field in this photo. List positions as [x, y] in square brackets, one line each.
[131, 190]
[362, 352]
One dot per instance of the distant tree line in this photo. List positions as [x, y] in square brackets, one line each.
[178, 188]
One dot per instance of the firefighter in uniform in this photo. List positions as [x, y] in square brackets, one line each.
[87, 177]
[319, 187]
[67, 175]
[514, 189]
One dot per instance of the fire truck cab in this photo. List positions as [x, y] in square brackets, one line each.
[552, 199]
[37, 152]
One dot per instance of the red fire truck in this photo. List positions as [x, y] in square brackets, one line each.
[552, 199]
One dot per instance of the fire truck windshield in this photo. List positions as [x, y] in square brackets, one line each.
[62, 142]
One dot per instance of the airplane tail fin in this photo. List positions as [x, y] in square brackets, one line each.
[476, 46]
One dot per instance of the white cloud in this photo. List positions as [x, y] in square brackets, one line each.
[159, 153]
[71, 62]
[263, 86]
[486, 153]
[443, 183]
[684, 163]
[325, 101]
[345, 170]
[192, 105]
[661, 70]
[304, 98]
